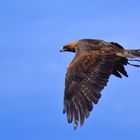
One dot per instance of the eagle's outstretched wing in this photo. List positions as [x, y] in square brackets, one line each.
[85, 78]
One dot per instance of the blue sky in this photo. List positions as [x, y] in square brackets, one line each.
[32, 70]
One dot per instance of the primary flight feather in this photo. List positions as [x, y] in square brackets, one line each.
[88, 73]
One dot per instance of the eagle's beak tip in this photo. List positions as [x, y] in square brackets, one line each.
[62, 49]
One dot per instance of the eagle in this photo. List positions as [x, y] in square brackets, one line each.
[88, 73]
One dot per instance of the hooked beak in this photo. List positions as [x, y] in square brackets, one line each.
[70, 47]
[62, 49]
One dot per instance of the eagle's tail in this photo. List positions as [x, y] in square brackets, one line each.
[131, 54]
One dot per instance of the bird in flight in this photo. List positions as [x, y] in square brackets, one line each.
[88, 73]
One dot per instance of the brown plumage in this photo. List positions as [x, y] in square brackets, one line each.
[88, 74]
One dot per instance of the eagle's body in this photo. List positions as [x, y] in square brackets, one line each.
[88, 74]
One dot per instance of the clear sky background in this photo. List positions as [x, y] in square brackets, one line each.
[32, 70]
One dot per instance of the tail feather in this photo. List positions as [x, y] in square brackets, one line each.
[130, 53]
[134, 53]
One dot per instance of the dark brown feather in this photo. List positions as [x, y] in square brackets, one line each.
[120, 62]
[86, 76]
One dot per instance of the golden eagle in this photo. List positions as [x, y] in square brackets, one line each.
[88, 73]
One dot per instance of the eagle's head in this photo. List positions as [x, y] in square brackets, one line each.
[70, 47]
